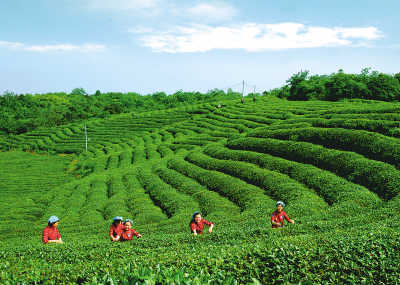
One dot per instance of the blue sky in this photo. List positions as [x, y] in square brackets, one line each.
[146, 46]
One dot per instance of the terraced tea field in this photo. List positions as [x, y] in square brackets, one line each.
[336, 165]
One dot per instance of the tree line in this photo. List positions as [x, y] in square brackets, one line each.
[20, 113]
[370, 85]
[25, 112]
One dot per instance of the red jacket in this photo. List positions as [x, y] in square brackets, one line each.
[279, 218]
[116, 230]
[128, 234]
[199, 226]
[50, 233]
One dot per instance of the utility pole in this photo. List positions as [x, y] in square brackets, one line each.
[86, 140]
[242, 93]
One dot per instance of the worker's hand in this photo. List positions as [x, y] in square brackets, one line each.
[195, 233]
[210, 230]
[139, 236]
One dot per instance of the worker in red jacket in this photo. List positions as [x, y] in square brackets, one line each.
[279, 216]
[50, 233]
[197, 224]
[116, 228]
[128, 232]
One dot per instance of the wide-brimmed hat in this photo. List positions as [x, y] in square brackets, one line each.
[117, 218]
[128, 221]
[195, 213]
[53, 219]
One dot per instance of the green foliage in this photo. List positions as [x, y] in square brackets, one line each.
[298, 86]
[381, 178]
[338, 192]
[209, 202]
[397, 76]
[244, 195]
[366, 85]
[79, 91]
[348, 258]
[369, 144]
[176, 205]
[231, 163]
[276, 185]
[24, 113]
[139, 202]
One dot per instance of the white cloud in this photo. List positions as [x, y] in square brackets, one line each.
[67, 47]
[11, 45]
[255, 37]
[54, 48]
[215, 11]
[369, 33]
[121, 5]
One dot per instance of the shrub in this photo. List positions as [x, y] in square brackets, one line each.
[244, 195]
[209, 201]
[174, 204]
[276, 185]
[381, 178]
[337, 191]
[371, 145]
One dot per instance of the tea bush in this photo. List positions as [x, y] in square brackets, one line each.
[231, 163]
[379, 177]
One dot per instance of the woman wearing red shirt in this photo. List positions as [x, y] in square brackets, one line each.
[50, 233]
[116, 228]
[197, 224]
[279, 216]
[128, 232]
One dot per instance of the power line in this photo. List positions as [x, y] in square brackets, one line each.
[244, 86]
[232, 85]
[249, 88]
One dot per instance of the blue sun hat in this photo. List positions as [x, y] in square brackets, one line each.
[118, 218]
[53, 219]
[194, 214]
[128, 220]
[280, 203]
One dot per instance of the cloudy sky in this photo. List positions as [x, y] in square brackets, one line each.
[158, 45]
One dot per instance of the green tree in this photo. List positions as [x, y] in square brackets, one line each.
[397, 76]
[78, 91]
[159, 97]
[340, 85]
[384, 87]
[298, 86]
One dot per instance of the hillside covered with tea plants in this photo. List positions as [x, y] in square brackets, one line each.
[334, 164]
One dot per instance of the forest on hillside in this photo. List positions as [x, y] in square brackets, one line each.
[369, 85]
[21, 113]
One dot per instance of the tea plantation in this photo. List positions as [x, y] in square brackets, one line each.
[335, 164]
